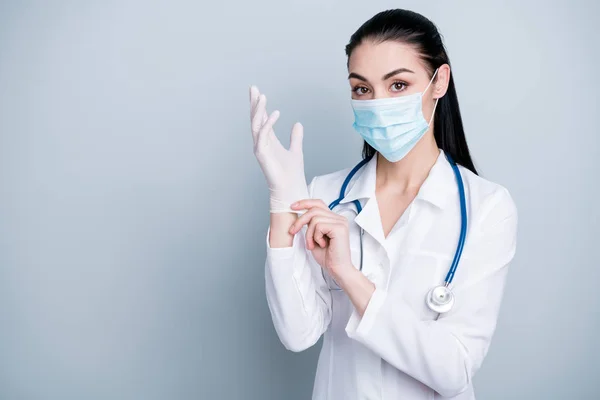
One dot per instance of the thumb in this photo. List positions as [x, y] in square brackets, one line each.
[296, 138]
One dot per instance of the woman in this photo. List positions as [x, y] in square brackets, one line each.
[365, 280]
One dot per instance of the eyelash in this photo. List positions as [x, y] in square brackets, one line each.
[355, 89]
[358, 87]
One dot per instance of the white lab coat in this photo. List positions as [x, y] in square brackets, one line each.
[398, 349]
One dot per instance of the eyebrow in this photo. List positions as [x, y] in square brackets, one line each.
[385, 77]
[396, 72]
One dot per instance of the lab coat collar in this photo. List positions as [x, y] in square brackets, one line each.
[440, 185]
[437, 188]
[363, 183]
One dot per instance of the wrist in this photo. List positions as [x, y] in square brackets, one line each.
[279, 235]
[282, 197]
[358, 288]
[348, 276]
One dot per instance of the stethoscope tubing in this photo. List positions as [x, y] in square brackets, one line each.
[463, 227]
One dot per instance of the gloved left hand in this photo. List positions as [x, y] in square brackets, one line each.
[284, 169]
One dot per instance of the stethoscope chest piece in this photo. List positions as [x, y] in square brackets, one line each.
[440, 299]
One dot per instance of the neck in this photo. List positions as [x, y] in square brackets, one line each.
[408, 174]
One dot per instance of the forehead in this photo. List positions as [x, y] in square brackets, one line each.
[374, 59]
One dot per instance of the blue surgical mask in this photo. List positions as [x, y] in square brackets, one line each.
[394, 125]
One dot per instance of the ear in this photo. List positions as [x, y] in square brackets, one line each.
[442, 79]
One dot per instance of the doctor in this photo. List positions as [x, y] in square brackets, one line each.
[400, 262]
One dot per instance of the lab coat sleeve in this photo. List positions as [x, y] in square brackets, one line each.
[445, 354]
[297, 294]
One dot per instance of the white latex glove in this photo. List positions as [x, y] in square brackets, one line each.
[284, 169]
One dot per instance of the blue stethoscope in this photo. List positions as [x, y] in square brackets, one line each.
[439, 299]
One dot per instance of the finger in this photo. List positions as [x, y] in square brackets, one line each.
[296, 138]
[264, 117]
[309, 203]
[310, 244]
[263, 135]
[310, 235]
[311, 231]
[254, 94]
[254, 97]
[323, 231]
[257, 118]
[318, 235]
[306, 217]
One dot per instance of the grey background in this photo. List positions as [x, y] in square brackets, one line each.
[133, 212]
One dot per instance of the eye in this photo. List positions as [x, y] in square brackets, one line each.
[360, 90]
[398, 86]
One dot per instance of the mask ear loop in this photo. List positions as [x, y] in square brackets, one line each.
[436, 100]
[433, 113]
[432, 78]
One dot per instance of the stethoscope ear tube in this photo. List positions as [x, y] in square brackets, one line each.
[440, 299]
[463, 224]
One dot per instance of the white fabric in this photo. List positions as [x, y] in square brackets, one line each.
[399, 349]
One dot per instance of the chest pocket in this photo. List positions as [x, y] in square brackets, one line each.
[414, 276]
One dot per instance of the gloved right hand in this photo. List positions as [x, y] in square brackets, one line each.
[283, 169]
